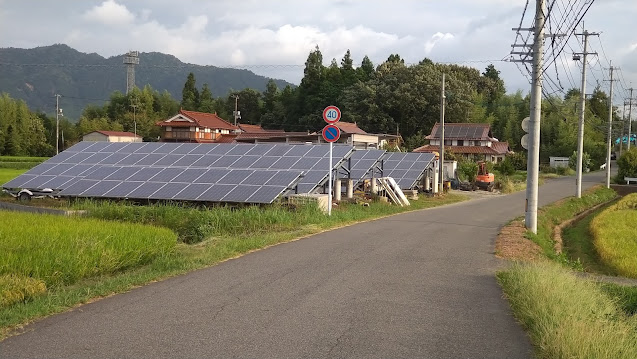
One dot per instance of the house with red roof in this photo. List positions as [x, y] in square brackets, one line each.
[470, 140]
[112, 136]
[193, 126]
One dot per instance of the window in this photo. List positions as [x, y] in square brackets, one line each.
[460, 142]
[181, 132]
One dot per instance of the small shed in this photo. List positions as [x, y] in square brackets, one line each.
[111, 136]
[556, 162]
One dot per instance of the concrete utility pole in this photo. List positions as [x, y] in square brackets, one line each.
[58, 113]
[621, 138]
[580, 133]
[610, 127]
[135, 106]
[236, 108]
[630, 117]
[441, 157]
[533, 162]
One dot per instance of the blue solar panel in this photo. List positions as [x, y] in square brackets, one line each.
[140, 170]
[189, 175]
[407, 169]
[59, 169]
[216, 192]
[122, 189]
[145, 174]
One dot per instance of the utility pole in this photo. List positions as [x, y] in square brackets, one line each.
[441, 157]
[610, 127]
[621, 138]
[58, 112]
[630, 117]
[533, 163]
[580, 133]
[135, 106]
[236, 108]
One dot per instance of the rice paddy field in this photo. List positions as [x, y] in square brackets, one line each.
[46, 251]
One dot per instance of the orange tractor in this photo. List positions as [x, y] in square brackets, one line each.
[484, 179]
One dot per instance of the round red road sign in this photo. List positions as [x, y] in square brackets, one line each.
[331, 114]
[331, 133]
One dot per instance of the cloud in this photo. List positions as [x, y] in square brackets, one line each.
[437, 37]
[110, 13]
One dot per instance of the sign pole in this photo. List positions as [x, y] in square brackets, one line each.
[329, 190]
[331, 133]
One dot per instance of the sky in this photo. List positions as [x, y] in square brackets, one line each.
[273, 38]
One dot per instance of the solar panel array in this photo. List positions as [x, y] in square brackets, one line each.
[250, 173]
[202, 172]
[406, 168]
[467, 132]
[363, 164]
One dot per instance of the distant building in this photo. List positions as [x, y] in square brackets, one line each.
[469, 140]
[192, 126]
[112, 136]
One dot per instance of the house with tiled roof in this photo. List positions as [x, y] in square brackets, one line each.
[192, 126]
[112, 136]
[470, 140]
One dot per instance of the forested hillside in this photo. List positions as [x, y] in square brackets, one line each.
[36, 75]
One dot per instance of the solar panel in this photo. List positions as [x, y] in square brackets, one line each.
[407, 169]
[243, 173]
[362, 165]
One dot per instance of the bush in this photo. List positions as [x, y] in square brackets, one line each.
[586, 161]
[506, 167]
[518, 159]
[627, 165]
[467, 171]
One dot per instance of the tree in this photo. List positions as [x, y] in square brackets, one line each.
[206, 102]
[190, 94]
[366, 70]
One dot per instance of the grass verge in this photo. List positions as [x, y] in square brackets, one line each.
[567, 317]
[615, 236]
[230, 240]
[552, 215]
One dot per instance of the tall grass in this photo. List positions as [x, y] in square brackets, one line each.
[615, 236]
[567, 317]
[60, 250]
[196, 224]
[551, 216]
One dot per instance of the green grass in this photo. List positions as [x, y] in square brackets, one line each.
[567, 317]
[7, 174]
[624, 296]
[551, 216]
[24, 163]
[579, 247]
[231, 234]
[22, 159]
[615, 236]
[194, 224]
[61, 251]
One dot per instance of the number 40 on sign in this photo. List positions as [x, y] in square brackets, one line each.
[331, 114]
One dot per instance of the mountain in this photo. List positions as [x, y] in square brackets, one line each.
[36, 75]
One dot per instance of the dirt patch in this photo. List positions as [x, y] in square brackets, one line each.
[512, 244]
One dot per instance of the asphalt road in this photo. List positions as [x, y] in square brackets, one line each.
[416, 285]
